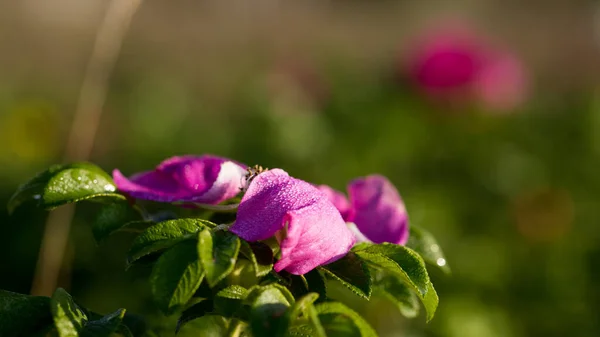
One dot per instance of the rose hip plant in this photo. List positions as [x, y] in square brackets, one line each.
[256, 249]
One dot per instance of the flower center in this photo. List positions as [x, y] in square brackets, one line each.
[252, 172]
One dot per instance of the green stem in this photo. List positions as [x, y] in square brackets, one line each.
[237, 329]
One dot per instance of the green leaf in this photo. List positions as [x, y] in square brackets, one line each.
[407, 265]
[228, 301]
[205, 326]
[237, 328]
[176, 276]
[23, 315]
[304, 309]
[302, 305]
[268, 306]
[425, 244]
[399, 260]
[339, 320]
[162, 236]
[258, 289]
[400, 294]
[233, 292]
[63, 184]
[113, 217]
[352, 273]
[195, 311]
[105, 326]
[69, 319]
[260, 254]
[218, 252]
[307, 330]
[430, 301]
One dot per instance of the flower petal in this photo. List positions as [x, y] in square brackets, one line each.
[312, 231]
[357, 234]
[378, 210]
[338, 199]
[503, 83]
[205, 179]
[446, 60]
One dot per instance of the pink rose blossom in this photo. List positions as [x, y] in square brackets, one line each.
[502, 83]
[310, 229]
[453, 63]
[446, 63]
[203, 179]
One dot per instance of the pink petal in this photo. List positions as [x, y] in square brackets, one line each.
[446, 61]
[378, 210]
[204, 179]
[338, 199]
[151, 185]
[502, 83]
[312, 229]
[357, 234]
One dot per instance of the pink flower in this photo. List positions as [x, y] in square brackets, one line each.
[311, 230]
[445, 64]
[502, 83]
[203, 179]
[375, 208]
[452, 63]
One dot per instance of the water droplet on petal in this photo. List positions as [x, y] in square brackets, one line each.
[109, 188]
[95, 181]
[434, 248]
[441, 262]
[79, 178]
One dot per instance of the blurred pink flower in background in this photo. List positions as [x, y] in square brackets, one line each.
[452, 63]
[502, 84]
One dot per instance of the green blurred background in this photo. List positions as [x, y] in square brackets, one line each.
[312, 87]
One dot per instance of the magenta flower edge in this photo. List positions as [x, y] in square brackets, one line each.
[203, 179]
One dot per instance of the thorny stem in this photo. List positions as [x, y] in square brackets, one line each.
[86, 118]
